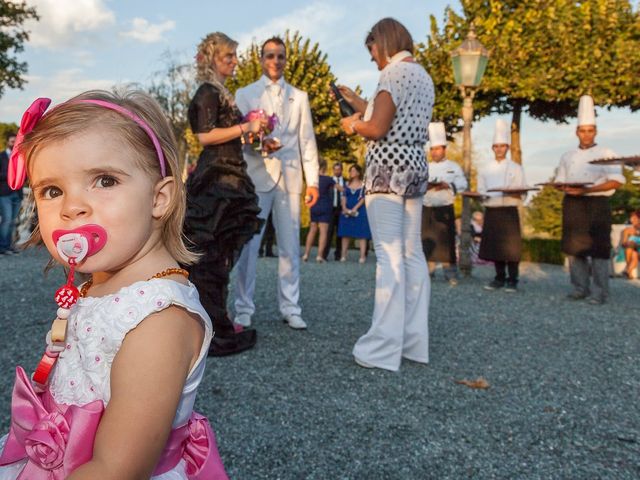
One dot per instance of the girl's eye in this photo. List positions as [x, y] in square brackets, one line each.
[50, 192]
[106, 181]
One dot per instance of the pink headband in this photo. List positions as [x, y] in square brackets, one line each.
[17, 172]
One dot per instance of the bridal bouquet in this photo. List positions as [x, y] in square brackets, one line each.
[272, 121]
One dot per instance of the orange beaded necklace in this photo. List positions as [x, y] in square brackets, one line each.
[165, 273]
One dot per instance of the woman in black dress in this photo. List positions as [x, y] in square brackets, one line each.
[222, 207]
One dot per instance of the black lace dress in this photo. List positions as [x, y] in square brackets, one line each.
[222, 209]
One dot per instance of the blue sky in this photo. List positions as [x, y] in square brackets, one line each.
[83, 44]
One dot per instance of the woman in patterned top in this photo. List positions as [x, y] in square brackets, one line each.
[394, 123]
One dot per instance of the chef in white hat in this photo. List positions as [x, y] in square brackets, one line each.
[501, 237]
[586, 214]
[438, 218]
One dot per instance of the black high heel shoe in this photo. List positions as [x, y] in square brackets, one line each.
[236, 343]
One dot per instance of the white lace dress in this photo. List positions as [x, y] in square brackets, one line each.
[97, 326]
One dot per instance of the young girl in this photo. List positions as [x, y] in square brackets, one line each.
[353, 221]
[118, 403]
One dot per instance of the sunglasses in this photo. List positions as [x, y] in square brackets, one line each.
[271, 56]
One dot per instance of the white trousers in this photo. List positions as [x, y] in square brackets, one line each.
[285, 208]
[400, 324]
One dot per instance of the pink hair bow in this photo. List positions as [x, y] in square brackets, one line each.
[17, 172]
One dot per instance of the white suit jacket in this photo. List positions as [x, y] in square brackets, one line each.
[299, 151]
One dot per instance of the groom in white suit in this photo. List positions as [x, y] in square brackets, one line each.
[278, 180]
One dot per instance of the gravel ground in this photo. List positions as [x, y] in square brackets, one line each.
[562, 403]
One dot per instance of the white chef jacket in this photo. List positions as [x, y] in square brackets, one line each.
[444, 171]
[503, 174]
[575, 167]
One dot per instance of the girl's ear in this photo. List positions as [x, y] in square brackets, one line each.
[163, 194]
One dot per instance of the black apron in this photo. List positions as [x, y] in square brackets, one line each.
[586, 226]
[439, 234]
[501, 237]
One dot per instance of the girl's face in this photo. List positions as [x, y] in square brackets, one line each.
[90, 179]
[225, 63]
[354, 174]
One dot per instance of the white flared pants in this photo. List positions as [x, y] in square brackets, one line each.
[400, 324]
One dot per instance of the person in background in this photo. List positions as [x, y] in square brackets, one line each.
[501, 236]
[394, 123]
[10, 201]
[477, 222]
[438, 217]
[321, 214]
[339, 181]
[222, 206]
[586, 213]
[353, 221]
[279, 180]
[631, 244]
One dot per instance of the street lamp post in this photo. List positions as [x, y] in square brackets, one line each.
[469, 63]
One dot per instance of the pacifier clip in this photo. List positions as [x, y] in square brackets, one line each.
[66, 296]
[73, 246]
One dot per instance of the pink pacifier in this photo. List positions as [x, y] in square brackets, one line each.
[79, 243]
[73, 246]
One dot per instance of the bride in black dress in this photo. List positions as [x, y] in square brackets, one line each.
[222, 206]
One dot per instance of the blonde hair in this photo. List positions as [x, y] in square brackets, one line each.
[212, 46]
[73, 117]
[390, 36]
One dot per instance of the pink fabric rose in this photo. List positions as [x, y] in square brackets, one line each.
[46, 443]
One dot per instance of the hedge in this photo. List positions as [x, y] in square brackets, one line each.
[537, 250]
[542, 250]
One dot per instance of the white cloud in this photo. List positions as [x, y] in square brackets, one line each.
[64, 22]
[84, 58]
[316, 22]
[147, 32]
[60, 86]
[69, 82]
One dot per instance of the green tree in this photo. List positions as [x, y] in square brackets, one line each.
[308, 70]
[545, 54]
[6, 128]
[173, 87]
[626, 199]
[12, 37]
[544, 212]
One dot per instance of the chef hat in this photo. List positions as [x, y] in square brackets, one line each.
[502, 134]
[437, 134]
[586, 111]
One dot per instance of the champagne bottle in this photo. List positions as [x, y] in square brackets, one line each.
[346, 110]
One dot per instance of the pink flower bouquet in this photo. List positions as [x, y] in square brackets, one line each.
[272, 121]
